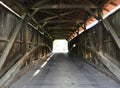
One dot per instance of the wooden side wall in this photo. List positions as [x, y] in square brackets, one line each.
[98, 46]
[27, 38]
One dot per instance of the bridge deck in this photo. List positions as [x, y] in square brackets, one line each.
[64, 71]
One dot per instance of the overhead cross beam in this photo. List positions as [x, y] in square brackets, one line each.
[88, 3]
[61, 31]
[62, 21]
[52, 13]
[59, 36]
[39, 3]
[62, 25]
[41, 28]
[33, 13]
[46, 12]
[50, 28]
[56, 16]
[64, 6]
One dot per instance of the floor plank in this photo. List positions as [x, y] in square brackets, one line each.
[64, 71]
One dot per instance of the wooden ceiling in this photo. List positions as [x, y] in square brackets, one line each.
[59, 18]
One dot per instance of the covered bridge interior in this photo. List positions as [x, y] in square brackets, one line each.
[29, 27]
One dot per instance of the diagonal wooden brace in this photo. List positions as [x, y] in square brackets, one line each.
[11, 42]
[111, 30]
[8, 77]
[106, 61]
[10, 74]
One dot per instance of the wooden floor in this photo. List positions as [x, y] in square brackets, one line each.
[64, 71]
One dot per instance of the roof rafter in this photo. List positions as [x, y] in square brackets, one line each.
[39, 3]
[33, 13]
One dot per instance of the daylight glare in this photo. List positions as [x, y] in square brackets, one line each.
[60, 46]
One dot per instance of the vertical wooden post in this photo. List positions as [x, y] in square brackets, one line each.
[100, 35]
[33, 39]
[40, 52]
[85, 40]
[25, 38]
[37, 39]
[33, 45]
[21, 39]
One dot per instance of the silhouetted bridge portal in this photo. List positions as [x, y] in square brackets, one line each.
[29, 27]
